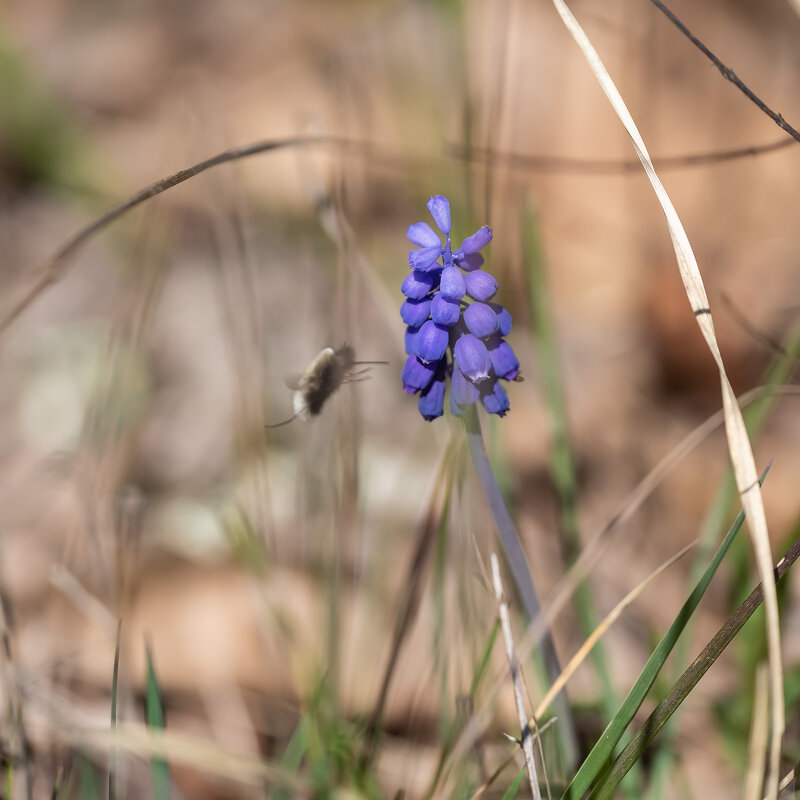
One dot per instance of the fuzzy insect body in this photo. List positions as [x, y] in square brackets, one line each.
[321, 378]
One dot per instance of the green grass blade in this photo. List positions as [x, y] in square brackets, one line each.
[603, 750]
[755, 416]
[512, 790]
[154, 712]
[89, 784]
[483, 664]
[293, 756]
[112, 753]
[56, 790]
[690, 678]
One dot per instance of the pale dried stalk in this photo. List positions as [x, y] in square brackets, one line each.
[600, 630]
[513, 664]
[759, 733]
[738, 442]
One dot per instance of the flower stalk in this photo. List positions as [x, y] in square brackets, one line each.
[520, 572]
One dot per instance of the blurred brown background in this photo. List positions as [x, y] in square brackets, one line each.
[136, 480]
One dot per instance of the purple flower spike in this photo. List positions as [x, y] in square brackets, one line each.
[503, 318]
[418, 284]
[431, 401]
[415, 312]
[440, 211]
[452, 286]
[479, 239]
[445, 312]
[425, 258]
[472, 358]
[432, 342]
[453, 329]
[480, 285]
[411, 340]
[496, 401]
[481, 321]
[422, 235]
[504, 361]
[417, 376]
[469, 261]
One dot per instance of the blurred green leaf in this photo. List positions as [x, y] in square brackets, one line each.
[89, 783]
[112, 755]
[39, 142]
[154, 713]
[512, 790]
[598, 758]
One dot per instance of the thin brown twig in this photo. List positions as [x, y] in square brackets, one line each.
[605, 166]
[772, 344]
[52, 269]
[727, 72]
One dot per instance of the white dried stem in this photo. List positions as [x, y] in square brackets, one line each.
[513, 664]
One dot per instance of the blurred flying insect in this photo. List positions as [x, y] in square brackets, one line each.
[322, 377]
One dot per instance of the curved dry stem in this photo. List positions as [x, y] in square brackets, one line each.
[741, 453]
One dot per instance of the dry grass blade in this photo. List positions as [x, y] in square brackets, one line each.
[787, 782]
[609, 620]
[513, 665]
[84, 601]
[738, 442]
[757, 747]
[178, 748]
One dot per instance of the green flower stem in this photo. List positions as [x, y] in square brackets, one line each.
[515, 556]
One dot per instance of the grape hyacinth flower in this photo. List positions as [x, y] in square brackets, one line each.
[453, 329]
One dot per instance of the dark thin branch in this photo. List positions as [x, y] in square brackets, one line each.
[601, 166]
[54, 267]
[726, 71]
[51, 270]
[772, 344]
